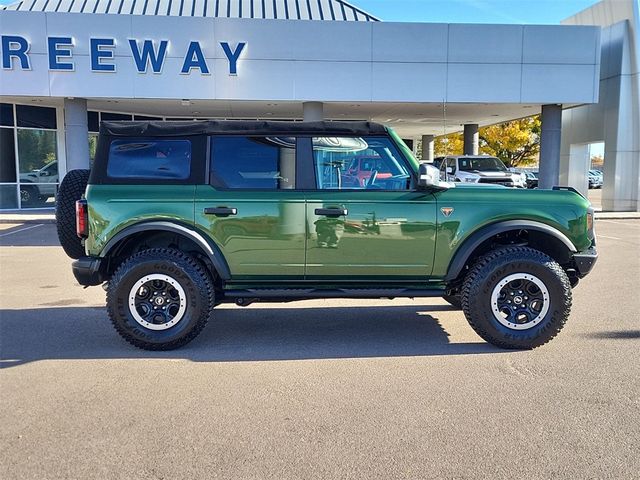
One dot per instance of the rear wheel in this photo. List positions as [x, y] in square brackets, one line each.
[517, 298]
[160, 299]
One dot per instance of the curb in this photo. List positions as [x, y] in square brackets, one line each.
[617, 215]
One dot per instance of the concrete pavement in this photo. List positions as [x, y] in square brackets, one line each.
[317, 389]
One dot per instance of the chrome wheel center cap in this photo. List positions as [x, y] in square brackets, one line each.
[517, 300]
[159, 300]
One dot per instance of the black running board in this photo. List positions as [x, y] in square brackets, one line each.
[289, 294]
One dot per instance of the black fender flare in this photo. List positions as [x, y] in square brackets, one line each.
[467, 248]
[210, 248]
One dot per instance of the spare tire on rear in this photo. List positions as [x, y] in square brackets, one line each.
[71, 189]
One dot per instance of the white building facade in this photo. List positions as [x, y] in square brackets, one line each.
[615, 119]
[67, 65]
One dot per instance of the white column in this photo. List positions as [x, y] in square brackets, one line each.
[313, 111]
[76, 133]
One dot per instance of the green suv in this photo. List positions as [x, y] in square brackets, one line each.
[178, 217]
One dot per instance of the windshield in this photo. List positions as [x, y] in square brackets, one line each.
[483, 164]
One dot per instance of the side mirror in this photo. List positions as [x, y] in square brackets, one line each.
[43, 174]
[429, 177]
[450, 170]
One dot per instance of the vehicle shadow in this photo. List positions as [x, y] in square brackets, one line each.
[616, 335]
[251, 334]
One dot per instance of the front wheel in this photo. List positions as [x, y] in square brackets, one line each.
[517, 298]
[160, 299]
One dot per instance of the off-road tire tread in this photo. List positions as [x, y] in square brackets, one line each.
[71, 189]
[198, 273]
[473, 280]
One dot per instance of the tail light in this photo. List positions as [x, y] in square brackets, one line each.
[590, 228]
[82, 219]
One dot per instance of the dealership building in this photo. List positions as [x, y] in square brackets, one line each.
[68, 64]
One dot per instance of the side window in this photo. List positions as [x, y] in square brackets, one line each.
[452, 163]
[150, 159]
[359, 163]
[260, 163]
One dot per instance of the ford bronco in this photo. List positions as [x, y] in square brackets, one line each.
[175, 218]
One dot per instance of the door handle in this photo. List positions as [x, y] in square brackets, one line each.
[331, 212]
[220, 211]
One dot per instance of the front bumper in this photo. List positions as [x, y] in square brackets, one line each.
[585, 261]
[87, 271]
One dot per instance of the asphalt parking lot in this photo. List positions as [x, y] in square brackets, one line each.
[317, 389]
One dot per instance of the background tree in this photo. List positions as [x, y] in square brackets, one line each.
[516, 143]
[448, 145]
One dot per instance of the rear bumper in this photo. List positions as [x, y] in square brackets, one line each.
[87, 271]
[585, 261]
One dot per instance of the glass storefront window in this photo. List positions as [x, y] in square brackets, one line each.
[36, 117]
[108, 116]
[7, 156]
[93, 121]
[29, 174]
[6, 114]
[38, 162]
[93, 145]
[8, 196]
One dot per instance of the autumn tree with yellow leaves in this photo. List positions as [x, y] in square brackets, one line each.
[516, 143]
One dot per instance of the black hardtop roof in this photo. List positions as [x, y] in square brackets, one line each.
[236, 127]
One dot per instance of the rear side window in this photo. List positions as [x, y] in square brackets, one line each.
[256, 163]
[150, 159]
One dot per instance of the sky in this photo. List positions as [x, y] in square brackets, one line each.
[474, 11]
[468, 11]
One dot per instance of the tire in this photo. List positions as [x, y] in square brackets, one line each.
[532, 320]
[454, 300]
[192, 300]
[71, 189]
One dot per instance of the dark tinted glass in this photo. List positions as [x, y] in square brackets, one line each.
[94, 122]
[254, 162]
[145, 117]
[36, 117]
[150, 159]
[7, 156]
[487, 164]
[6, 114]
[108, 117]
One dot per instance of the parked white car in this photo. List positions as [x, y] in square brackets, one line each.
[479, 169]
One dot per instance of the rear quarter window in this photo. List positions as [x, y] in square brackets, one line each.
[149, 159]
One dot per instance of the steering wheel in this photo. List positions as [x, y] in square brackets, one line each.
[372, 179]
